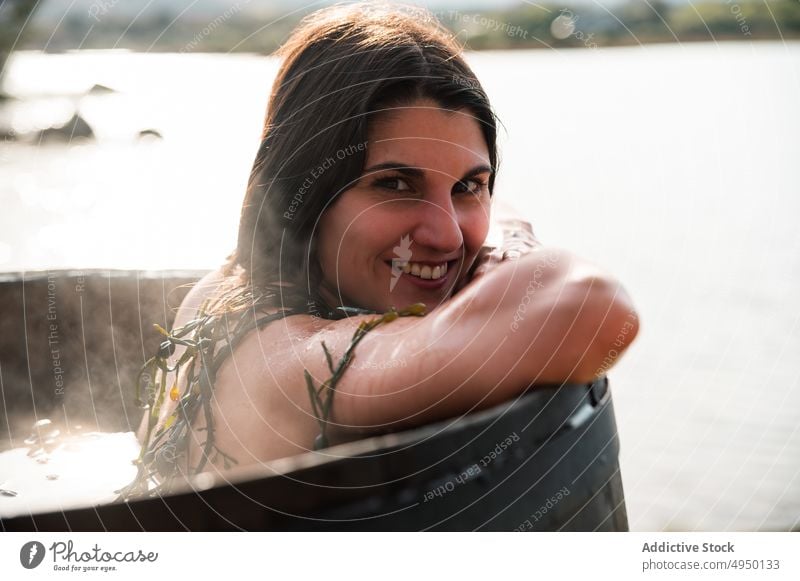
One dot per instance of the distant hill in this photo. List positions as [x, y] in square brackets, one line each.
[262, 25]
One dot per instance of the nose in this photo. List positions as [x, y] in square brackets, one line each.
[438, 228]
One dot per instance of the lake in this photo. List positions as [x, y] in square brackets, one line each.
[674, 166]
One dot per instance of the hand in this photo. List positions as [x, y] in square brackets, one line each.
[518, 239]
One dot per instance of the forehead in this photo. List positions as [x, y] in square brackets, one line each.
[425, 135]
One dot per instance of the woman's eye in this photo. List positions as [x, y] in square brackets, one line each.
[392, 184]
[470, 186]
[475, 189]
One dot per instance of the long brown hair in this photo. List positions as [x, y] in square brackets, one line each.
[341, 66]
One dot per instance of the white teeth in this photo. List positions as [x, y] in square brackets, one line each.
[425, 271]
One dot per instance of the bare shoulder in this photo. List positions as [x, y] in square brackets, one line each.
[206, 287]
[261, 408]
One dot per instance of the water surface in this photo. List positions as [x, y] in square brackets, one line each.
[673, 166]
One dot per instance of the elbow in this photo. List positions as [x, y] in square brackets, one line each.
[607, 327]
[593, 323]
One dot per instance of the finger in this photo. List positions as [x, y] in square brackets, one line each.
[488, 264]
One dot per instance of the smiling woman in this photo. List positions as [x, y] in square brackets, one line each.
[371, 192]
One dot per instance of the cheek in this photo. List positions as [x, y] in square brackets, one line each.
[352, 237]
[329, 240]
[475, 228]
[369, 236]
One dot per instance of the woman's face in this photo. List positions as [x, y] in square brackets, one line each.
[411, 227]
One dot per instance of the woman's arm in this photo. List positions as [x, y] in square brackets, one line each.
[547, 317]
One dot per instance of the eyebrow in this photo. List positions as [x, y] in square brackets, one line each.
[415, 172]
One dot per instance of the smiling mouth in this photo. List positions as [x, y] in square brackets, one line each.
[426, 274]
[424, 270]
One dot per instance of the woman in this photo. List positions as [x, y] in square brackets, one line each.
[372, 189]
